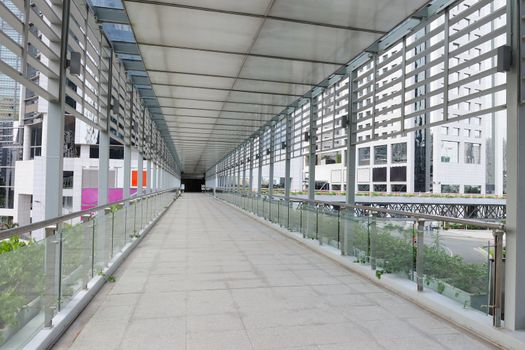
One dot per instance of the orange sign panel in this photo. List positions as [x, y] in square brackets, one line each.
[134, 178]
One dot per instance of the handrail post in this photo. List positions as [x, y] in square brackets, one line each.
[86, 219]
[50, 273]
[317, 235]
[498, 277]
[106, 212]
[420, 255]
[372, 238]
[93, 232]
[345, 224]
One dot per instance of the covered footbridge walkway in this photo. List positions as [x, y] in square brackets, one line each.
[208, 276]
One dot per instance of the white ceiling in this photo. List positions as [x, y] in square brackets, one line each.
[221, 68]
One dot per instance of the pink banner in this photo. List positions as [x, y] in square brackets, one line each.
[90, 196]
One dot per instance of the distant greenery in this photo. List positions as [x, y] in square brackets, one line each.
[398, 194]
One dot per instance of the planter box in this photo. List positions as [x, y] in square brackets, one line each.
[24, 316]
[468, 300]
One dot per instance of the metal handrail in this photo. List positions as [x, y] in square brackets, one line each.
[48, 222]
[488, 225]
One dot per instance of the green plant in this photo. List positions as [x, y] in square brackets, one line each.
[115, 207]
[11, 244]
[21, 277]
[379, 273]
[393, 244]
[440, 287]
[108, 278]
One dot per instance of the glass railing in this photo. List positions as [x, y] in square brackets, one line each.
[453, 257]
[44, 266]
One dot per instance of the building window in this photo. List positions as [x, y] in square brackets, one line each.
[363, 188]
[379, 175]
[398, 174]
[472, 189]
[336, 187]
[449, 151]
[399, 188]
[399, 152]
[466, 132]
[477, 134]
[449, 188]
[68, 179]
[472, 153]
[7, 197]
[379, 188]
[454, 132]
[364, 156]
[475, 121]
[67, 203]
[380, 154]
[444, 130]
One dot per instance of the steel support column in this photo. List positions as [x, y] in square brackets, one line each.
[515, 223]
[288, 157]
[350, 149]
[127, 171]
[272, 160]
[244, 168]
[53, 129]
[250, 180]
[259, 170]
[154, 185]
[312, 151]
[140, 167]
[346, 243]
[148, 176]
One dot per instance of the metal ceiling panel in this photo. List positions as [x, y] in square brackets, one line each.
[220, 68]
[179, 60]
[251, 6]
[168, 92]
[261, 98]
[380, 15]
[169, 112]
[184, 79]
[311, 42]
[208, 30]
[252, 108]
[299, 72]
[280, 88]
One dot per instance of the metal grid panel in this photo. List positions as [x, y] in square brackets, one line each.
[280, 140]
[266, 136]
[38, 23]
[420, 82]
[300, 128]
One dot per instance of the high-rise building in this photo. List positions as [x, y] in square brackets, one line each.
[10, 148]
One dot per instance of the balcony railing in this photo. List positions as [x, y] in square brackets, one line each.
[405, 245]
[48, 269]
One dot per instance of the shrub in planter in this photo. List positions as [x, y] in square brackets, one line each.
[471, 278]
[21, 278]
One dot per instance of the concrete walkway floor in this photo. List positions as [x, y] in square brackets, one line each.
[210, 277]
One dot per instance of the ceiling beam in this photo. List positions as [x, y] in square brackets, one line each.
[203, 131]
[206, 141]
[208, 117]
[309, 84]
[222, 101]
[247, 54]
[225, 89]
[255, 15]
[236, 126]
[220, 110]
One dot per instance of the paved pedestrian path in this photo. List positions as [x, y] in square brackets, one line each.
[210, 277]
